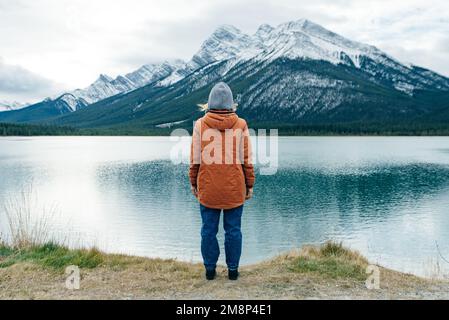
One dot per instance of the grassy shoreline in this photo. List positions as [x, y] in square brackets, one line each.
[34, 267]
[327, 272]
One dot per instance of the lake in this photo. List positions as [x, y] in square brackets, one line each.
[387, 197]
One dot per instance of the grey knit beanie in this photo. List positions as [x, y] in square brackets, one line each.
[220, 97]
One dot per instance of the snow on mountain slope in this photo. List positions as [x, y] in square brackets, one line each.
[102, 88]
[226, 42]
[303, 39]
[153, 72]
[72, 102]
[295, 39]
[106, 86]
[11, 105]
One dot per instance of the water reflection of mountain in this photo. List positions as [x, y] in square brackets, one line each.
[372, 193]
[314, 205]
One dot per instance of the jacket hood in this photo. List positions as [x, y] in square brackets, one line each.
[220, 120]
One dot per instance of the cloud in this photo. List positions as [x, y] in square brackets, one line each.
[17, 81]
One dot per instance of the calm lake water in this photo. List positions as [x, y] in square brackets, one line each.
[385, 196]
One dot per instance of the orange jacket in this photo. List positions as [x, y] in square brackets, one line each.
[220, 163]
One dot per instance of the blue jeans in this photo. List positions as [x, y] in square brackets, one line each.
[233, 236]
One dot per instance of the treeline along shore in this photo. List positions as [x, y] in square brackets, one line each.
[351, 129]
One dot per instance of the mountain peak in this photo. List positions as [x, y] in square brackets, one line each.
[66, 95]
[228, 34]
[174, 63]
[265, 27]
[299, 24]
[70, 101]
[263, 31]
[104, 78]
[227, 28]
[224, 43]
[308, 27]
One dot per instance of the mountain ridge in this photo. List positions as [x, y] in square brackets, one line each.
[11, 105]
[297, 72]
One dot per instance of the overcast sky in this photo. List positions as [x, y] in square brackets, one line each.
[47, 46]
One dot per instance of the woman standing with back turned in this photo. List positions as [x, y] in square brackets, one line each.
[221, 176]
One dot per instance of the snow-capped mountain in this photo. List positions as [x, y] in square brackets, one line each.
[11, 105]
[296, 72]
[303, 39]
[102, 88]
[106, 86]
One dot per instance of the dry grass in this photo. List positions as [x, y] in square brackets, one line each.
[32, 267]
[28, 223]
[309, 273]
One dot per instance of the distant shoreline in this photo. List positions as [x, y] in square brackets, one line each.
[27, 130]
[281, 136]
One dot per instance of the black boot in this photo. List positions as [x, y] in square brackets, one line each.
[210, 274]
[233, 274]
